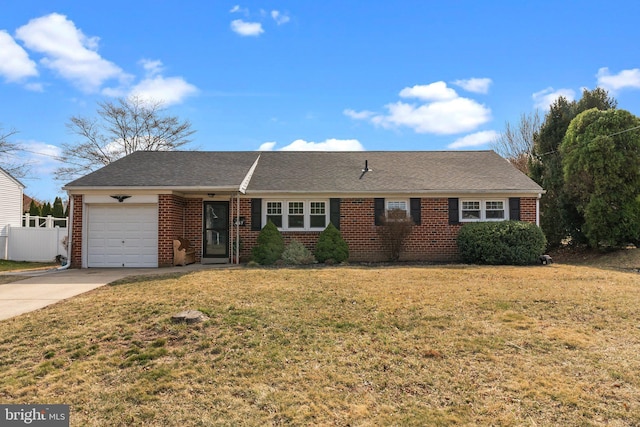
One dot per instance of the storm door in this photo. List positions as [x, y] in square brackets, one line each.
[216, 230]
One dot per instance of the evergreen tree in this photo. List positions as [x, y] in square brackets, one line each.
[601, 159]
[559, 218]
[58, 209]
[34, 209]
[46, 209]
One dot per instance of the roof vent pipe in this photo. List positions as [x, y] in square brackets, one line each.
[366, 166]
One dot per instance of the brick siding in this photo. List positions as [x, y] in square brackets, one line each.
[76, 233]
[433, 240]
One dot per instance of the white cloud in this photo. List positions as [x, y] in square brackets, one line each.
[442, 117]
[624, 79]
[441, 111]
[358, 115]
[15, 64]
[246, 28]
[474, 140]
[168, 90]
[152, 67]
[475, 85]
[437, 91]
[69, 52]
[544, 98]
[267, 146]
[279, 17]
[331, 144]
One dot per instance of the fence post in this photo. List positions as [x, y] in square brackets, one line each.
[26, 220]
[48, 223]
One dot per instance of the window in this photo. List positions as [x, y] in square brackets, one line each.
[274, 213]
[494, 210]
[483, 210]
[300, 215]
[397, 205]
[296, 215]
[471, 211]
[318, 215]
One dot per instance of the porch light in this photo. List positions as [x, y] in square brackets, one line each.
[120, 197]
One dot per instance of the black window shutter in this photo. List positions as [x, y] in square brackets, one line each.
[416, 214]
[334, 212]
[256, 214]
[454, 213]
[514, 208]
[378, 209]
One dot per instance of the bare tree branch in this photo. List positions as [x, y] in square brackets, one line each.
[516, 142]
[120, 128]
[10, 154]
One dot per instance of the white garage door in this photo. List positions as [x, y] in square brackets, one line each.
[122, 236]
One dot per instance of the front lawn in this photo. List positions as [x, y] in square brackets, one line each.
[6, 265]
[556, 345]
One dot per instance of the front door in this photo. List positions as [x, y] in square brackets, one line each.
[216, 231]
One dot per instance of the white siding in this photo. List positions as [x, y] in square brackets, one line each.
[10, 207]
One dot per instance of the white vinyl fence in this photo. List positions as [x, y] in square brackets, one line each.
[40, 239]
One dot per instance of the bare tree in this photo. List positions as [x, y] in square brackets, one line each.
[516, 142]
[120, 128]
[10, 155]
[394, 229]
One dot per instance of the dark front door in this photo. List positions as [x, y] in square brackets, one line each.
[216, 230]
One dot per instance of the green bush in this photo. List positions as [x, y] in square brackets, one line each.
[269, 246]
[331, 246]
[295, 253]
[504, 242]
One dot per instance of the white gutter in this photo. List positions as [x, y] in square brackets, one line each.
[69, 234]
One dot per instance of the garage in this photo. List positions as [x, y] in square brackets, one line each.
[122, 235]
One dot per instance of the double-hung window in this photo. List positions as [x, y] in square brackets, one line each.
[318, 215]
[274, 213]
[298, 215]
[295, 219]
[394, 208]
[483, 210]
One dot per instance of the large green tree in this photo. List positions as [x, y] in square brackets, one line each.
[559, 218]
[601, 162]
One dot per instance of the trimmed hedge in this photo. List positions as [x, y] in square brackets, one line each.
[504, 242]
[269, 246]
[331, 246]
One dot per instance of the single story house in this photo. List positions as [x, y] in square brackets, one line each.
[128, 213]
[10, 208]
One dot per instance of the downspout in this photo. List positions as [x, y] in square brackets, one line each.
[69, 234]
[238, 228]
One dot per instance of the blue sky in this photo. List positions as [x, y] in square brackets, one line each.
[331, 75]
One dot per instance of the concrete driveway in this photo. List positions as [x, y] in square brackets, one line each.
[46, 287]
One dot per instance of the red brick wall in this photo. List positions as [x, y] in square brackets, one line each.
[178, 217]
[75, 258]
[433, 240]
[528, 209]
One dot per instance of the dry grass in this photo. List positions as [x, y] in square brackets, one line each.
[6, 265]
[555, 345]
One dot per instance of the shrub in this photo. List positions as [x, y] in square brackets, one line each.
[505, 242]
[331, 245]
[295, 253]
[269, 246]
[394, 229]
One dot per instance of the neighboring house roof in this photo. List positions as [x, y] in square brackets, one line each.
[18, 183]
[314, 172]
[26, 202]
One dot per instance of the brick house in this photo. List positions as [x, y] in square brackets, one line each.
[128, 213]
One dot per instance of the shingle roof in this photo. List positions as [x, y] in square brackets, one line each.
[172, 169]
[316, 172]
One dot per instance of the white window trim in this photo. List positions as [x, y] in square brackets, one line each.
[483, 210]
[306, 210]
